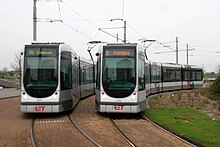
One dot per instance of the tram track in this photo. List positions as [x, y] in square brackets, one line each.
[141, 132]
[31, 131]
[84, 134]
[166, 131]
[60, 129]
[121, 133]
[131, 130]
[56, 130]
[96, 125]
[74, 125]
[14, 128]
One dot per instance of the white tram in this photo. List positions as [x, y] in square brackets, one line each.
[120, 78]
[125, 78]
[54, 78]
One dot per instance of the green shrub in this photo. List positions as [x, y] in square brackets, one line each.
[214, 89]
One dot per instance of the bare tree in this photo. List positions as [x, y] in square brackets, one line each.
[16, 65]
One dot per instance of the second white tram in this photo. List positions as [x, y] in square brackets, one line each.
[120, 78]
[54, 78]
[125, 78]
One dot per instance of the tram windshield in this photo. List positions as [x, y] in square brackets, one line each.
[40, 71]
[119, 74]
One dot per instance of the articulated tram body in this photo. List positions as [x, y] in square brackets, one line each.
[53, 78]
[125, 78]
[120, 78]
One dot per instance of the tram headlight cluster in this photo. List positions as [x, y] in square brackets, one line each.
[24, 95]
[55, 96]
[133, 97]
[103, 95]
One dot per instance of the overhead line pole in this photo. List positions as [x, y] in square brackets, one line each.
[187, 54]
[176, 50]
[35, 21]
[124, 31]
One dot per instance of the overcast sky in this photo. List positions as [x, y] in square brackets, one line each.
[196, 22]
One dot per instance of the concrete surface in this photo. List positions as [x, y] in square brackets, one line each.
[9, 92]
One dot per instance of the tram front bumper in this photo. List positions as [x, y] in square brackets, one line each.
[118, 108]
[41, 108]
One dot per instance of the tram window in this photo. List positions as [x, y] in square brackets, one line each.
[158, 75]
[169, 75]
[88, 71]
[193, 75]
[178, 75]
[155, 74]
[199, 75]
[172, 75]
[91, 74]
[186, 76]
[166, 75]
[66, 71]
[141, 74]
[147, 73]
[98, 73]
[87, 74]
[75, 72]
[82, 73]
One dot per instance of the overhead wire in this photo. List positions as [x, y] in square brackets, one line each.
[87, 20]
[111, 35]
[135, 30]
[92, 24]
[61, 20]
[165, 46]
[79, 14]
[76, 30]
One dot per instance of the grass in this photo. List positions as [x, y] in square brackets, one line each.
[189, 123]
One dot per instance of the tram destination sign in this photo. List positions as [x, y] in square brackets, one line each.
[48, 52]
[118, 52]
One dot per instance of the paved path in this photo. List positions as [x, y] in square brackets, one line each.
[9, 92]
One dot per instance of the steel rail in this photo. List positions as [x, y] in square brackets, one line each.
[121, 133]
[31, 131]
[90, 139]
[168, 132]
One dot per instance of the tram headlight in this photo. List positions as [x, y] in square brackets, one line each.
[133, 97]
[103, 95]
[55, 96]
[24, 96]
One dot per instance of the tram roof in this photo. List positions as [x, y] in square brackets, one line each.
[193, 66]
[47, 43]
[171, 65]
[121, 44]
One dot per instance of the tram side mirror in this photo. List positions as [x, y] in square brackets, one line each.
[75, 58]
[21, 53]
[97, 54]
